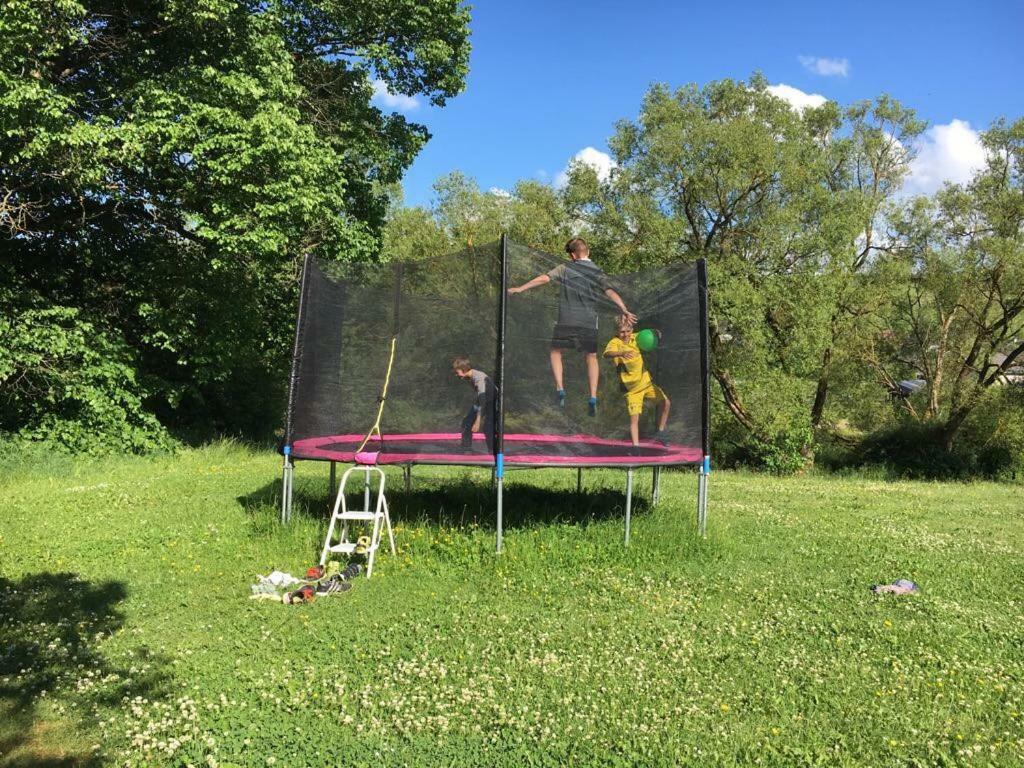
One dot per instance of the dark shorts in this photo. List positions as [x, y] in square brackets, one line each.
[574, 337]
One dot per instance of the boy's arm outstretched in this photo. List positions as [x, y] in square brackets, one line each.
[538, 280]
[612, 294]
[625, 354]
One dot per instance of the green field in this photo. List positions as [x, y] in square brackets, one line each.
[127, 635]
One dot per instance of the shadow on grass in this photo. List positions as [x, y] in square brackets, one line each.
[462, 501]
[50, 626]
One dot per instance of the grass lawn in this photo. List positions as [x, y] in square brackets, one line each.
[127, 635]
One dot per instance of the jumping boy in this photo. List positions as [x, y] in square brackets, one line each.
[581, 284]
[637, 384]
[481, 412]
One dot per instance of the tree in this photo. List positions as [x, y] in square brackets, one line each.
[165, 165]
[957, 319]
[778, 201]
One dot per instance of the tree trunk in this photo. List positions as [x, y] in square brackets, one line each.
[952, 426]
[821, 393]
[732, 398]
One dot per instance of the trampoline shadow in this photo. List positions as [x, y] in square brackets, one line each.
[464, 503]
[455, 503]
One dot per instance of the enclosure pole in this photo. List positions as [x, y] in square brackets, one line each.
[705, 369]
[286, 475]
[333, 480]
[629, 499]
[499, 399]
[579, 480]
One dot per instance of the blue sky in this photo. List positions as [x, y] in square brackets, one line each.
[549, 79]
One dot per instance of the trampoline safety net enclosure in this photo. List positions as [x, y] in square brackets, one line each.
[457, 305]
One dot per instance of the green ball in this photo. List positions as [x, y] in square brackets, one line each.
[647, 340]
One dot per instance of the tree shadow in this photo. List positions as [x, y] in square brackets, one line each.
[462, 501]
[50, 628]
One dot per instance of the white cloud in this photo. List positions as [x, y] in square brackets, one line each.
[826, 67]
[398, 101]
[796, 98]
[504, 194]
[951, 152]
[600, 161]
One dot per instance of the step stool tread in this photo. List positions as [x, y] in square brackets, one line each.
[359, 515]
[348, 547]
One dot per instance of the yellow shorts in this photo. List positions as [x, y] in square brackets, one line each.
[635, 400]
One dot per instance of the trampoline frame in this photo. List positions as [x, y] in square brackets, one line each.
[500, 465]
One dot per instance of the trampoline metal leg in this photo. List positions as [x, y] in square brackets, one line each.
[333, 482]
[655, 485]
[579, 480]
[501, 488]
[407, 471]
[366, 490]
[702, 503]
[286, 491]
[629, 500]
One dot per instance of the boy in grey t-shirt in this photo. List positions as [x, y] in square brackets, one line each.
[480, 416]
[581, 286]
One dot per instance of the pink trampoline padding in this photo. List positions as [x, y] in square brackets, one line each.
[520, 450]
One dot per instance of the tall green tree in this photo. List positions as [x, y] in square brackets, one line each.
[164, 166]
[957, 314]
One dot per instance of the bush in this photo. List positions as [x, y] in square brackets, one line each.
[990, 445]
[63, 380]
[994, 435]
[783, 453]
[786, 451]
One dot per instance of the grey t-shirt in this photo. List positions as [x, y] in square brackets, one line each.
[479, 381]
[581, 286]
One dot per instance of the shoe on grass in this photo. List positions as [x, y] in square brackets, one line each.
[335, 585]
[362, 545]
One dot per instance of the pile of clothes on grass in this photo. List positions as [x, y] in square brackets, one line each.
[319, 581]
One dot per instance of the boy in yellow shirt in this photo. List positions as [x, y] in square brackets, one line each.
[636, 380]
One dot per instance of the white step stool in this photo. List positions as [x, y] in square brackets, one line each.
[345, 515]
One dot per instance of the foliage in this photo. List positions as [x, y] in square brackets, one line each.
[956, 277]
[760, 643]
[166, 165]
[990, 444]
[784, 453]
[65, 381]
[782, 205]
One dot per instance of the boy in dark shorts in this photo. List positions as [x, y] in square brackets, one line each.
[581, 285]
[480, 416]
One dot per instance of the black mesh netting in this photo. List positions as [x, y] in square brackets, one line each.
[449, 306]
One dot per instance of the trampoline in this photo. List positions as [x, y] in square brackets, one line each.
[520, 450]
[373, 363]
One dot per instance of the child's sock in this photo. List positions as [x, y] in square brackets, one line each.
[560, 397]
[592, 406]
